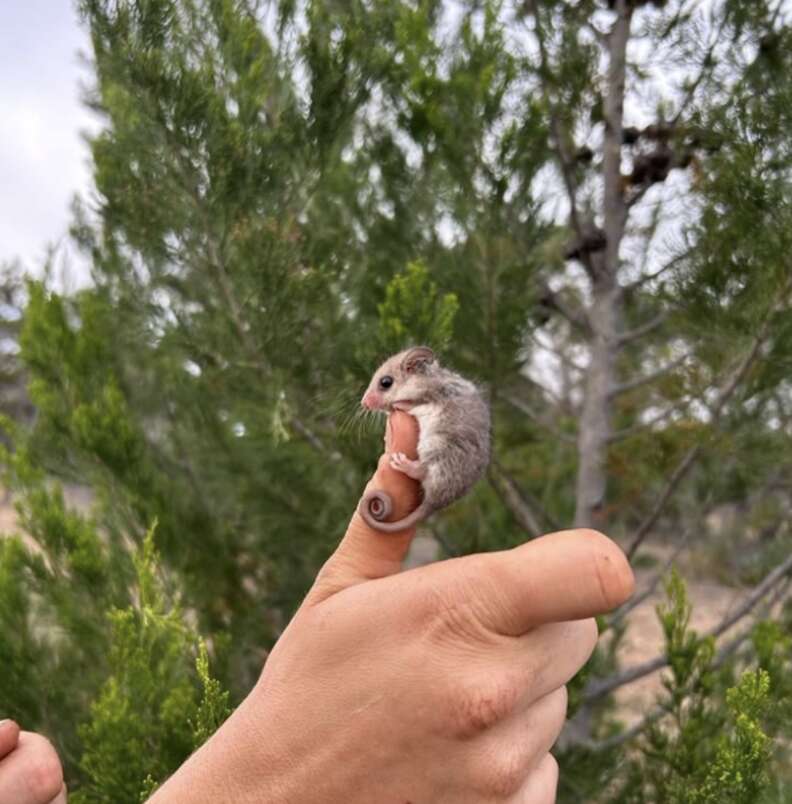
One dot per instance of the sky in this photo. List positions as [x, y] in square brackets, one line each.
[43, 158]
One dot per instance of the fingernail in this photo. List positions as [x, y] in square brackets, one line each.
[4, 721]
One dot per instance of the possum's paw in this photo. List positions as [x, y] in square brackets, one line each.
[401, 463]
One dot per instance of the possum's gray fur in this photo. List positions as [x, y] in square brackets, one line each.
[454, 432]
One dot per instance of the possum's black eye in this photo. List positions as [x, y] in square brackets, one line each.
[386, 381]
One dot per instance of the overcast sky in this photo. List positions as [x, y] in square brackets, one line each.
[43, 159]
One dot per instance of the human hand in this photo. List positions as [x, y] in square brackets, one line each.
[30, 770]
[441, 684]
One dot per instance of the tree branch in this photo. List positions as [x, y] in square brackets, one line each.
[576, 317]
[604, 686]
[628, 432]
[566, 160]
[642, 280]
[643, 330]
[558, 353]
[676, 478]
[660, 711]
[637, 382]
[512, 498]
[523, 407]
[731, 646]
[692, 454]
[706, 67]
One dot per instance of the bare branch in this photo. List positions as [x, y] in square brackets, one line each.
[692, 454]
[777, 12]
[637, 382]
[639, 194]
[642, 280]
[556, 352]
[525, 408]
[730, 647]
[604, 686]
[514, 500]
[742, 369]
[310, 436]
[759, 592]
[628, 734]
[576, 317]
[678, 474]
[644, 329]
[629, 432]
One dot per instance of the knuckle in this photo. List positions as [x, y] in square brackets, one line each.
[44, 776]
[558, 711]
[501, 775]
[589, 635]
[477, 706]
[547, 773]
[550, 765]
[545, 721]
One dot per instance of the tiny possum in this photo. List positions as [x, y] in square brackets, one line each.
[453, 437]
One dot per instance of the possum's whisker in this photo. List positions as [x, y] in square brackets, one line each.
[347, 421]
[352, 417]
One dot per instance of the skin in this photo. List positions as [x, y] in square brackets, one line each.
[30, 771]
[438, 685]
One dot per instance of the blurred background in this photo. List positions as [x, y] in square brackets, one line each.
[219, 216]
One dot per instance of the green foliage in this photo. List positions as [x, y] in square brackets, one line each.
[689, 656]
[148, 716]
[739, 770]
[709, 740]
[95, 653]
[213, 708]
[413, 311]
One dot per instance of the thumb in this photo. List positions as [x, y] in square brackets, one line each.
[364, 553]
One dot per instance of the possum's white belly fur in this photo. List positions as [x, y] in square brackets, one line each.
[428, 416]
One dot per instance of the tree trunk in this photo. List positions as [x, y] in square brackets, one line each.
[595, 420]
[604, 314]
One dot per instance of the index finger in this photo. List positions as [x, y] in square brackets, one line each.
[570, 575]
[9, 737]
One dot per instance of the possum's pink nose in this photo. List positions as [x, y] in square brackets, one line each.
[370, 400]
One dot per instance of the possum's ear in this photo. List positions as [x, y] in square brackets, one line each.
[417, 359]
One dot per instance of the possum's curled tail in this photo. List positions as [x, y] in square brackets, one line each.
[376, 506]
